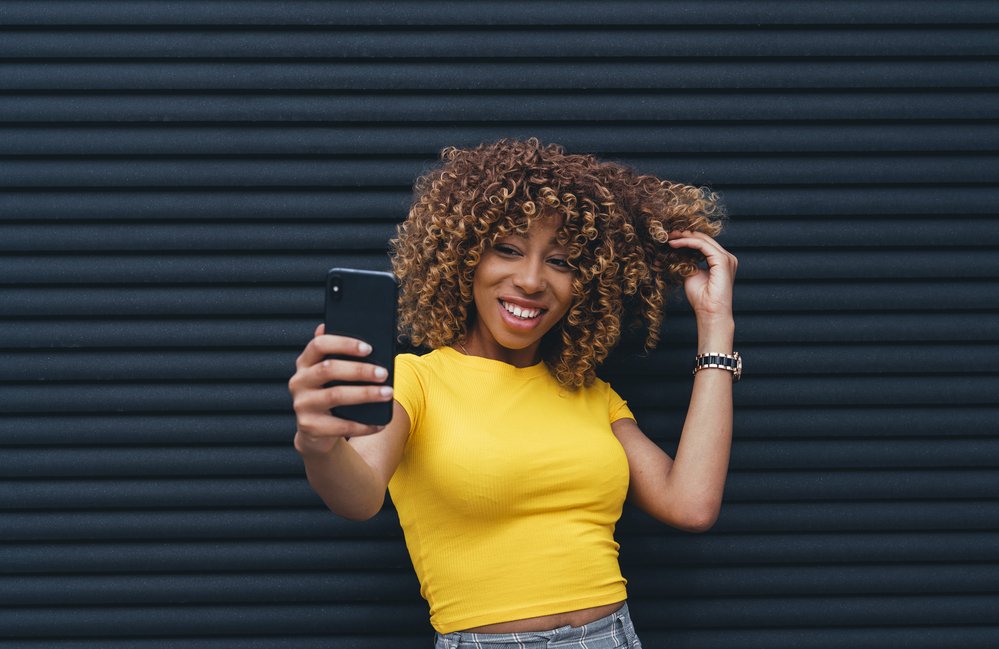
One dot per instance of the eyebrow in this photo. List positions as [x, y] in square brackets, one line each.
[551, 242]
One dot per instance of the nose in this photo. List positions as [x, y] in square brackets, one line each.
[530, 276]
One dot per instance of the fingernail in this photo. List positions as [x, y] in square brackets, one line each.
[385, 391]
[364, 348]
[381, 372]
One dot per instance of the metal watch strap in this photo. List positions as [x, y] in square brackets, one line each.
[731, 362]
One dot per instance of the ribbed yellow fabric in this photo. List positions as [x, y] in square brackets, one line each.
[508, 490]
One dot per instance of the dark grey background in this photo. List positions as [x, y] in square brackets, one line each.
[177, 177]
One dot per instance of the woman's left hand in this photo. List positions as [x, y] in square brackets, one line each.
[709, 291]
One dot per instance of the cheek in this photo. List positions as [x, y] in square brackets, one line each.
[479, 284]
[479, 278]
[565, 294]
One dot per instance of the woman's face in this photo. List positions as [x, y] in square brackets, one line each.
[522, 288]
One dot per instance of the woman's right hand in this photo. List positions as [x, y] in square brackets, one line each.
[318, 430]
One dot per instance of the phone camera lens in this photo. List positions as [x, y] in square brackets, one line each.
[336, 288]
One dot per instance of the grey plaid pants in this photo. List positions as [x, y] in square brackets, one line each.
[614, 631]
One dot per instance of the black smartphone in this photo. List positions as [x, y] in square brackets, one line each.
[362, 304]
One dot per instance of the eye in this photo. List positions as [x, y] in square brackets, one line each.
[560, 262]
[505, 249]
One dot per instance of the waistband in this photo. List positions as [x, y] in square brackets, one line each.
[617, 624]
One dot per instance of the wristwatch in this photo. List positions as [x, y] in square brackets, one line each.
[731, 362]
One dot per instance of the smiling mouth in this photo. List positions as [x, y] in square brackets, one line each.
[520, 312]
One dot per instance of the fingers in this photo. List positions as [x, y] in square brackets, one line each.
[344, 395]
[311, 378]
[325, 430]
[713, 252]
[312, 401]
[334, 369]
[312, 409]
[323, 345]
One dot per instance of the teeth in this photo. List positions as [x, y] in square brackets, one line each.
[521, 312]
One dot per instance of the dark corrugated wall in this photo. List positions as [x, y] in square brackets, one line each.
[177, 176]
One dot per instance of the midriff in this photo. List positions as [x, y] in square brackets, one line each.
[549, 622]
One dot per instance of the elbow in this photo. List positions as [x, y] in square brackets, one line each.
[357, 513]
[700, 526]
[357, 516]
[691, 520]
[699, 520]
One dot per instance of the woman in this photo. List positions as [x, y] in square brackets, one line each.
[507, 459]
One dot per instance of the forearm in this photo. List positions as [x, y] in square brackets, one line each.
[345, 482]
[699, 470]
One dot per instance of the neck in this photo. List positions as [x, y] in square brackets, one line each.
[474, 346]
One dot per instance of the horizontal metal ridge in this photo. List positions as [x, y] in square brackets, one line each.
[797, 390]
[178, 621]
[333, 236]
[195, 524]
[168, 461]
[505, 12]
[241, 555]
[348, 42]
[817, 611]
[835, 422]
[843, 516]
[814, 485]
[772, 170]
[404, 75]
[217, 589]
[163, 429]
[517, 108]
[352, 204]
[408, 140]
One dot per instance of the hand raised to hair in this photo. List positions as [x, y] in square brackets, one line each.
[709, 291]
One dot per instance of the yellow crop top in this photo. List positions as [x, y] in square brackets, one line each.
[508, 490]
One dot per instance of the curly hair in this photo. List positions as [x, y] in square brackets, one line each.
[614, 225]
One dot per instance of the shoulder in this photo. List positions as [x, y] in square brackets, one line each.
[415, 378]
[409, 384]
[417, 364]
[598, 389]
[409, 361]
[617, 407]
[432, 366]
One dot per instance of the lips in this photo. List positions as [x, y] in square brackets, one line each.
[530, 315]
[522, 312]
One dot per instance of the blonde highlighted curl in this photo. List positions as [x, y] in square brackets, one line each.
[614, 225]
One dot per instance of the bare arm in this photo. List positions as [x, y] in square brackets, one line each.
[349, 475]
[687, 492]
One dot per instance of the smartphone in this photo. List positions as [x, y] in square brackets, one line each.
[362, 304]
